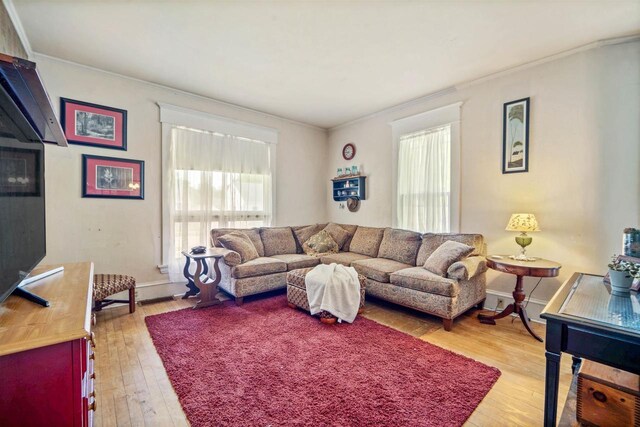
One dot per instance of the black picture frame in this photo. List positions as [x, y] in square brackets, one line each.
[511, 144]
[115, 192]
[72, 138]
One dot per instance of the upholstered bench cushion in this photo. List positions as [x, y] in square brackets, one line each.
[297, 288]
[378, 269]
[295, 261]
[105, 285]
[344, 258]
[258, 267]
[419, 279]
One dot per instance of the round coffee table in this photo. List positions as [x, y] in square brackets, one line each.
[537, 268]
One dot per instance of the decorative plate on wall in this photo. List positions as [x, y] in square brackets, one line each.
[349, 151]
[353, 203]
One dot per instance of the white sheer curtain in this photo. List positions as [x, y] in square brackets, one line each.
[214, 180]
[424, 180]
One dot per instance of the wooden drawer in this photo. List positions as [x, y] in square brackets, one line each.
[607, 396]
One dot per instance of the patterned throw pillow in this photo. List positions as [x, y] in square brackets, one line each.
[320, 243]
[338, 234]
[303, 234]
[446, 254]
[241, 243]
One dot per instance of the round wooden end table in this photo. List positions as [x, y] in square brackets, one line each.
[537, 268]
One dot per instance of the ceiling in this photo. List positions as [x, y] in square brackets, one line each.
[323, 62]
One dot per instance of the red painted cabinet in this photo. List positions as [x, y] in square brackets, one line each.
[47, 354]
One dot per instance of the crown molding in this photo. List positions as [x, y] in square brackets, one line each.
[17, 24]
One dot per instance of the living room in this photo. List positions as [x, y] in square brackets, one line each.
[329, 86]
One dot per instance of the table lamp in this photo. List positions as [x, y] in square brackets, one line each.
[522, 222]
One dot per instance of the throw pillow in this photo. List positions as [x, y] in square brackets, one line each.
[320, 243]
[337, 233]
[446, 254]
[303, 234]
[241, 243]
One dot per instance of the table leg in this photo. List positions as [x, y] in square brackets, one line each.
[527, 323]
[551, 388]
[191, 286]
[208, 291]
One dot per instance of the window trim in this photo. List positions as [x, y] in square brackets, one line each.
[171, 116]
[449, 114]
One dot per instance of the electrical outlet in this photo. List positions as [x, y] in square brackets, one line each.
[500, 304]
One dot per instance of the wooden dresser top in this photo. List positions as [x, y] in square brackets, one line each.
[25, 325]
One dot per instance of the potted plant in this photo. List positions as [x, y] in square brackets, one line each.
[621, 275]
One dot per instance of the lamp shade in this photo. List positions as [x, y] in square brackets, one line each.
[522, 222]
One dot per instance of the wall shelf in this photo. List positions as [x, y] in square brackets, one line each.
[348, 186]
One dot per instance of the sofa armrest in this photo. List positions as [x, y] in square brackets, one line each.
[231, 258]
[467, 268]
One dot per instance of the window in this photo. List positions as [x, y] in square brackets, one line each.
[212, 179]
[424, 185]
[426, 171]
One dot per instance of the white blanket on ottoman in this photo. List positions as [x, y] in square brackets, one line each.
[334, 288]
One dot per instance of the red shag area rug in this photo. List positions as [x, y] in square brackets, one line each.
[265, 364]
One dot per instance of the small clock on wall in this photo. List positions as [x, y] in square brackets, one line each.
[349, 151]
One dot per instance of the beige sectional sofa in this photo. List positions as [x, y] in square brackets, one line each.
[390, 259]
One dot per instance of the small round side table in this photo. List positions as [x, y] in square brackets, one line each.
[537, 268]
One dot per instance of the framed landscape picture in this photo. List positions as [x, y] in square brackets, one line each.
[95, 125]
[110, 177]
[515, 136]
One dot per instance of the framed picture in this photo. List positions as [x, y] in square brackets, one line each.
[95, 125]
[20, 172]
[515, 136]
[109, 177]
[636, 282]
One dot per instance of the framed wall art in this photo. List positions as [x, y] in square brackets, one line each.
[110, 177]
[515, 136]
[95, 125]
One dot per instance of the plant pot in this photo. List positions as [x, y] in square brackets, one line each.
[621, 282]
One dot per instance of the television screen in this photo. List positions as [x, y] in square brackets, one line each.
[22, 208]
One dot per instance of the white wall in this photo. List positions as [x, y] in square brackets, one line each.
[584, 175]
[124, 236]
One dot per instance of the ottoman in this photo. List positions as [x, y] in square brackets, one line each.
[297, 292]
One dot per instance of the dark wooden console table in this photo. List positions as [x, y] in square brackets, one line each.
[586, 321]
[537, 268]
[208, 289]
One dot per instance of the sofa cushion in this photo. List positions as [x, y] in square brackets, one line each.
[302, 234]
[278, 241]
[240, 243]
[400, 245]
[337, 233]
[366, 241]
[431, 242]
[419, 279]
[378, 269]
[296, 261]
[448, 253]
[344, 258]
[467, 268]
[252, 233]
[352, 230]
[258, 267]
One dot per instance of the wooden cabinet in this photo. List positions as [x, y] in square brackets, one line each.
[47, 353]
[344, 188]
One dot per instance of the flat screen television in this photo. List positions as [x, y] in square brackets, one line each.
[22, 207]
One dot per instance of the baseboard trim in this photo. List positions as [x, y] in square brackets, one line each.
[534, 308]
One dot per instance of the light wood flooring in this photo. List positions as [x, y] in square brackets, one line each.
[132, 387]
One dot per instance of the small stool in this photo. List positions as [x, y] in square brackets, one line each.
[297, 293]
[109, 284]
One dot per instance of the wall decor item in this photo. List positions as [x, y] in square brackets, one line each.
[349, 151]
[95, 125]
[110, 177]
[515, 136]
[20, 172]
[353, 204]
